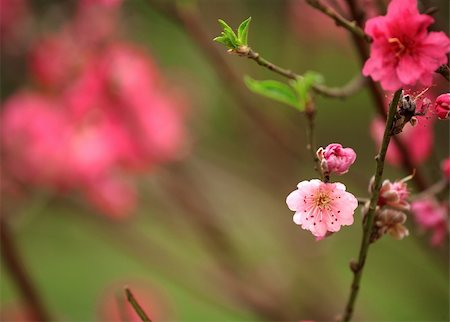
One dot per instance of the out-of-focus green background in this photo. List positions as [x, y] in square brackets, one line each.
[75, 255]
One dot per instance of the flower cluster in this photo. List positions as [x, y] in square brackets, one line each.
[390, 211]
[323, 207]
[100, 111]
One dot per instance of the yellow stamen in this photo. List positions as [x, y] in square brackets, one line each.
[401, 47]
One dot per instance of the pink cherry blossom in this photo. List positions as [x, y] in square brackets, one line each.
[430, 215]
[403, 51]
[321, 207]
[442, 106]
[445, 166]
[417, 140]
[336, 159]
[112, 196]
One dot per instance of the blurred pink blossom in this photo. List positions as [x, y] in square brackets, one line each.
[321, 207]
[34, 132]
[430, 215]
[402, 51]
[105, 3]
[103, 111]
[336, 159]
[314, 26]
[442, 106]
[417, 140]
[54, 60]
[13, 17]
[445, 166]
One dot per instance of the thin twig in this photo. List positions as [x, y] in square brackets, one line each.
[352, 87]
[358, 267]
[444, 70]
[310, 114]
[339, 19]
[14, 264]
[136, 307]
[362, 201]
[432, 190]
[188, 19]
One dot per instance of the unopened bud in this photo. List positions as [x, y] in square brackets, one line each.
[336, 159]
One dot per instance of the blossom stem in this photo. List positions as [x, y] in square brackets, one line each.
[352, 87]
[339, 19]
[14, 264]
[370, 216]
[310, 113]
[136, 307]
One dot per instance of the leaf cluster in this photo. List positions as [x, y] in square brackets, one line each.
[232, 40]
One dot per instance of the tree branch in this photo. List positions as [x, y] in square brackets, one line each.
[136, 307]
[358, 267]
[347, 90]
[14, 264]
[339, 19]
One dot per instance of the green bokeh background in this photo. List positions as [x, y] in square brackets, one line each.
[74, 255]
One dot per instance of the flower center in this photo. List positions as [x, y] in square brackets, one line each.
[322, 200]
[399, 48]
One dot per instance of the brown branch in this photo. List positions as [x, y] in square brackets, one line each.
[14, 264]
[444, 70]
[358, 267]
[347, 90]
[339, 19]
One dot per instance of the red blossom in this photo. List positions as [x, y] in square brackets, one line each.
[403, 52]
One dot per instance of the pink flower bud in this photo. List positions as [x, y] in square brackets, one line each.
[391, 221]
[442, 106]
[336, 159]
[394, 195]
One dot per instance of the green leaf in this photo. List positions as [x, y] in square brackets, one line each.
[303, 86]
[224, 40]
[243, 31]
[227, 37]
[275, 90]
